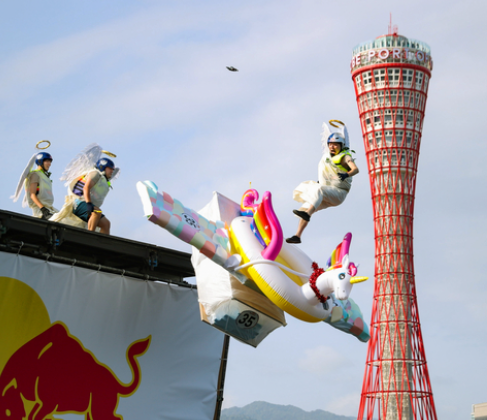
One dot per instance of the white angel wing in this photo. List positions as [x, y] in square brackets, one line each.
[324, 137]
[347, 139]
[342, 129]
[116, 174]
[82, 163]
[22, 179]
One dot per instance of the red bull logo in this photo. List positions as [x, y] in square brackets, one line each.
[58, 375]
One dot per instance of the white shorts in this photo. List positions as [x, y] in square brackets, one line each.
[319, 196]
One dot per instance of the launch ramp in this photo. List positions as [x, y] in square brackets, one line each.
[83, 314]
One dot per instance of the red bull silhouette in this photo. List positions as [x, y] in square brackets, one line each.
[61, 376]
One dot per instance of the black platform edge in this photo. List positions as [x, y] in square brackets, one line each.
[57, 242]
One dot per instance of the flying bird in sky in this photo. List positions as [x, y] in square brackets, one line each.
[231, 68]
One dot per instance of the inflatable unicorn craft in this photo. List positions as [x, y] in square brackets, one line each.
[248, 276]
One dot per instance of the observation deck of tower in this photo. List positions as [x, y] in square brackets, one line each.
[391, 75]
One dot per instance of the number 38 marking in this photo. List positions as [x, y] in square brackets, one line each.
[247, 319]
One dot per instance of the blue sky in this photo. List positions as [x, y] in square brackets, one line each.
[147, 81]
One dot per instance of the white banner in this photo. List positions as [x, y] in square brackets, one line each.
[75, 341]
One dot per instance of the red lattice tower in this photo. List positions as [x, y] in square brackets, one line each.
[391, 76]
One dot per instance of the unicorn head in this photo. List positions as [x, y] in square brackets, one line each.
[342, 279]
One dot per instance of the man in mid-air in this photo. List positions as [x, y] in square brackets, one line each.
[335, 172]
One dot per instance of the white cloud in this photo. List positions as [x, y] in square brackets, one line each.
[323, 360]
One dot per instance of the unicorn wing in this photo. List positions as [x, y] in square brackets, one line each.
[210, 238]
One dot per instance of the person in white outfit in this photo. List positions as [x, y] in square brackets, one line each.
[92, 188]
[335, 171]
[88, 178]
[38, 186]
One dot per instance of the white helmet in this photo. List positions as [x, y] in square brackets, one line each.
[336, 138]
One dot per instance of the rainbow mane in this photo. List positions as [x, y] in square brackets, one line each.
[265, 224]
[247, 205]
[260, 226]
[336, 258]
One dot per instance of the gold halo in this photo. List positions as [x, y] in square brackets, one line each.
[113, 155]
[336, 121]
[43, 141]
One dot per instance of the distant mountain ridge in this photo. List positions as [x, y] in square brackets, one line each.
[260, 410]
